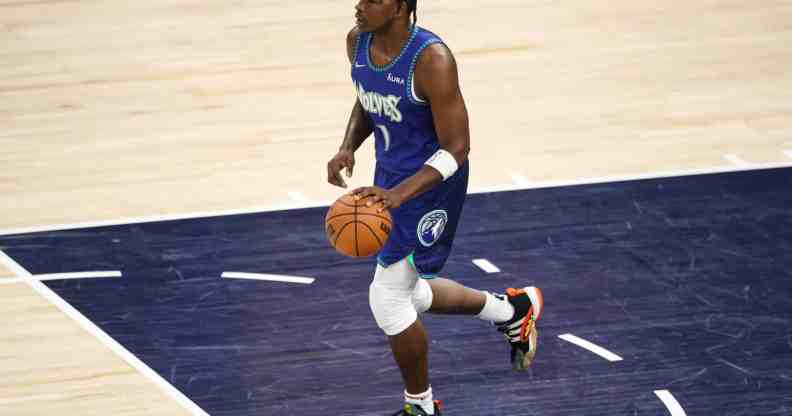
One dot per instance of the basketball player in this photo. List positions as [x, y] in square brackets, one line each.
[408, 95]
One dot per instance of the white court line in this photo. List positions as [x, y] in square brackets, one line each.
[519, 179]
[596, 349]
[268, 277]
[485, 265]
[670, 402]
[318, 204]
[62, 276]
[158, 218]
[298, 197]
[788, 153]
[105, 339]
[77, 275]
[736, 160]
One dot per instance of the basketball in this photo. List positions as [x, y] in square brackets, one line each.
[356, 230]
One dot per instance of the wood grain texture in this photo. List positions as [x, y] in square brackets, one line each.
[125, 109]
[129, 105]
[51, 365]
[5, 273]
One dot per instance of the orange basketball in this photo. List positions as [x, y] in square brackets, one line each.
[356, 230]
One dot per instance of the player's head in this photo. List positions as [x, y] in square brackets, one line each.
[373, 15]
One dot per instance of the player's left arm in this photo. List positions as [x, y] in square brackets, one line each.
[436, 81]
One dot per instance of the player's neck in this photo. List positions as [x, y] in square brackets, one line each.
[390, 39]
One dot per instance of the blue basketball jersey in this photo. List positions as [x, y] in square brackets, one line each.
[404, 131]
[405, 137]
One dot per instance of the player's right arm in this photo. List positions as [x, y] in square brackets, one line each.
[358, 129]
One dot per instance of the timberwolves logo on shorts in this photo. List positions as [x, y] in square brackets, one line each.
[431, 226]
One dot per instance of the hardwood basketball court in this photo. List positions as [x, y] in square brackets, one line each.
[116, 111]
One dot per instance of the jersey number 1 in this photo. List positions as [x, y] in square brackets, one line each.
[385, 135]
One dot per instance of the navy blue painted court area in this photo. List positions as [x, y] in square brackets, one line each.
[687, 278]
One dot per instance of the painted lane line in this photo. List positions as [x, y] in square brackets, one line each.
[63, 276]
[596, 349]
[318, 204]
[159, 218]
[298, 197]
[788, 153]
[268, 277]
[485, 265]
[670, 402]
[76, 275]
[519, 179]
[736, 160]
[14, 267]
[102, 336]
[475, 189]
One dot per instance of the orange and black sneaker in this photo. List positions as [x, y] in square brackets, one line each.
[521, 331]
[415, 410]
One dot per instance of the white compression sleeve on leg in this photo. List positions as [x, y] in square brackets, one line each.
[422, 296]
[390, 297]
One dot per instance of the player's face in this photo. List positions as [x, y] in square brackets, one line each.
[372, 15]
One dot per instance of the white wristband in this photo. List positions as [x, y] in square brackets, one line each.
[444, 162]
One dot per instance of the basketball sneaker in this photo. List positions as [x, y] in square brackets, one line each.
[521, 331]
[415, 410]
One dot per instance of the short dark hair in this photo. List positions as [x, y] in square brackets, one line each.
[412, 6]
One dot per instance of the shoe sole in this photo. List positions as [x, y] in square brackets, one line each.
[524, 360]
[537, 301]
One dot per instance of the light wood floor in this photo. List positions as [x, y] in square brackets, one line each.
[118, 109]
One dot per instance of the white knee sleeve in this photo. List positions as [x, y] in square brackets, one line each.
[390, 297]
[422, 296]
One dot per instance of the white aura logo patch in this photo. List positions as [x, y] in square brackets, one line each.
[395, 79]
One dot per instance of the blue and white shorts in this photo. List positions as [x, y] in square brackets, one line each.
[424, 227]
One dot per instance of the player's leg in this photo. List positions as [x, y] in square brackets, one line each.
[452, 298]
[410, 349]
[390, 298]
[438, 212]
[436, 231]
[515, 313]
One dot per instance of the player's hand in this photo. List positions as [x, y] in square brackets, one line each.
[385, 198]
[343, 159]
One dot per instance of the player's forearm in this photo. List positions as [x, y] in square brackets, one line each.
[358, 129]
[425, 179]
[429, 176]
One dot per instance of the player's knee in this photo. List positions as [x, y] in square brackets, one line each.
[390, 298]
[392, 309]
[422, 296]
